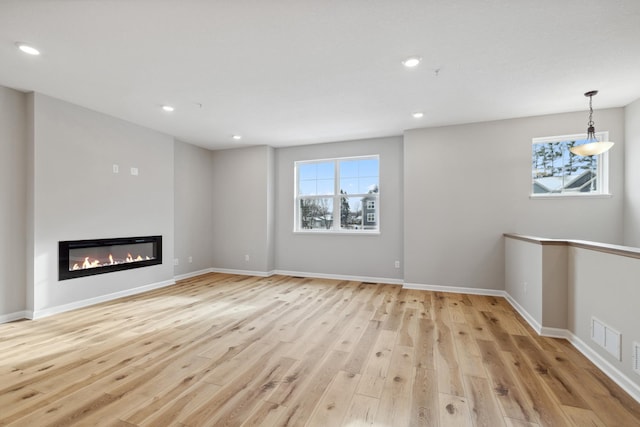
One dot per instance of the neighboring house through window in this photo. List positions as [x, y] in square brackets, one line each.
[556, 171]
[338, 194]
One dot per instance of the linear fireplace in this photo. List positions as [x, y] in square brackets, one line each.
[79, 258]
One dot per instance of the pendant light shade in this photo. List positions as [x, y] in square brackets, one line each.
[592, 147]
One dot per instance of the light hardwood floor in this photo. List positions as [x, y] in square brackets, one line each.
[224, 350]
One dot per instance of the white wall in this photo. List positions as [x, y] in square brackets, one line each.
[76, 196]
[193, 208]
[371, 256]
[242, 224]
[632, 174]
[466, 185]
[13, 202]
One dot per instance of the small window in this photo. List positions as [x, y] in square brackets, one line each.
[556, 171]
[337, 194]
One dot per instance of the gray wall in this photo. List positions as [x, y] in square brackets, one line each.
[352, 255]
[592, 293]
[77, 196]
[632, 175]
[242, 224]
[13, 202]
[193, 208]
[466, 185]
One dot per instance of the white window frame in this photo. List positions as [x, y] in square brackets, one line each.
[602, 171]
[336, 196]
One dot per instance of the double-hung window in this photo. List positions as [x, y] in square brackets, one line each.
[339, 194]
[556, 171]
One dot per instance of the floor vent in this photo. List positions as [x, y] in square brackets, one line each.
[606, 337]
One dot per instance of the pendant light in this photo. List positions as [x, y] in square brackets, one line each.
[592, 147]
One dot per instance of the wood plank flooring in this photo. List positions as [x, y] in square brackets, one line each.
[225, 350]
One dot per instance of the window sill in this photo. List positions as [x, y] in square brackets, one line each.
[339, 232]
[571, 196]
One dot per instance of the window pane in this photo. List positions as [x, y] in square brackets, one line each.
[316, 213]
[307, 171]
[356, 205]
[368, 185]
[349, 168]
[307, 188]
[351, 213]
[326, 170]
[325, 187]
[316, 179]
[370, 212]
[358, 213]
[555, 169]
[349, 185]
[359, 176]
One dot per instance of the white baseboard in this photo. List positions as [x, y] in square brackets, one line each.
[603, 364]
[241, 272]
[454, 289]
[524, 313]
[192, 274]
[38, 314]
[611, 371]
[10, 317]
[340, 277]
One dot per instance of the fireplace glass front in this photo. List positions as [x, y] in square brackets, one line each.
[78, 258]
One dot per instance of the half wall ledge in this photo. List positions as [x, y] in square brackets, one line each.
[627, 251]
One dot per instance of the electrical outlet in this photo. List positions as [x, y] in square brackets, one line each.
[396, 264]
[190, 259]
[246, 257]
[176, 261]
[134, 171]
[116, 168]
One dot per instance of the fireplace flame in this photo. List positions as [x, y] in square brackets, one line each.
[92, 263]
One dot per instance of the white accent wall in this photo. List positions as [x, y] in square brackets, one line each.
[465, 185]
[75, 195]
[13, 203]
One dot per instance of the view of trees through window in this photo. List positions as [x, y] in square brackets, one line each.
[555, 169]
[338, 194]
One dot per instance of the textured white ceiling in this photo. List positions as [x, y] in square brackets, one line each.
[299, 71]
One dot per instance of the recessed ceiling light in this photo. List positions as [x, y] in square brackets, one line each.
[417, 115]
[237, 137]
[27, 49]
[411, 62]
[168, 108]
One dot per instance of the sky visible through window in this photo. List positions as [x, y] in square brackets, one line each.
[357, 177]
